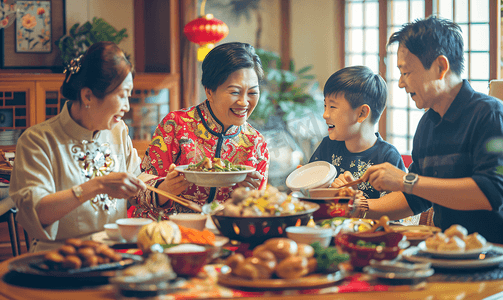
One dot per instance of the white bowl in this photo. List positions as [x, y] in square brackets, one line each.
[130, 227]
[318, 174]
[190, 220]
[112, 231]
[214, 179]
[309, 235]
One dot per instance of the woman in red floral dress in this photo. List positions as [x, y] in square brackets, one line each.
[217, 128]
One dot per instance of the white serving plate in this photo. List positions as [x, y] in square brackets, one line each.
[318, 174]
[473, 253]
[214, 179]
[411, 254]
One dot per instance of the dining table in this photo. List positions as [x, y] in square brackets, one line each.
[14, 286]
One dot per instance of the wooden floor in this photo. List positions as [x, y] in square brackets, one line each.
[5, 246]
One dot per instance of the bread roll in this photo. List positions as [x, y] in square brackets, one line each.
[305, 250]
[235, 259]
[72, 262]
[266, 256]
[246, 270]
[292, 267]
[475, 241]
[281, 247]
[53, 259]
[67, 250]
[90, 261]
[74, 242]
[86, 252]
[453, 244]
[456, 230]
[264, 270]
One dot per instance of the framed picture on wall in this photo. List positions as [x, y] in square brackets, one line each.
[29, 42]
[33, 27]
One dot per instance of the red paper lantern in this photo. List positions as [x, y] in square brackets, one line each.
[205, 31]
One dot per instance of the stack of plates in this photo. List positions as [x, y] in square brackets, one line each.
[318, 174]
[9, 137]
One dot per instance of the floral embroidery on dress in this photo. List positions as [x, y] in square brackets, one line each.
[95, 160]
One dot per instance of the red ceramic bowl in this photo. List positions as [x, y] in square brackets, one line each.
[330, 202]
[190, 263]
[360, 256]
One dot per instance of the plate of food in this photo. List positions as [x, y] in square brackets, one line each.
[39, 265]
[455, 243]
[491, 258]
[214, 172]
[463, 253]
[282, 263]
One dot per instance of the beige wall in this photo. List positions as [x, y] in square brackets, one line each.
[312, 32]
[118, 13]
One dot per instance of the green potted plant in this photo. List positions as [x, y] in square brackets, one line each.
[81, 38]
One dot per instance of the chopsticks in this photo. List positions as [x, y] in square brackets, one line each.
[357, 181]
[176, 199]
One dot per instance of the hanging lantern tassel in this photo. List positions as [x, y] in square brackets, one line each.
[206, 32]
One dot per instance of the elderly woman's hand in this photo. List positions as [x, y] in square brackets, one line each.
[174, 182]
[120, 185]
[251, 181]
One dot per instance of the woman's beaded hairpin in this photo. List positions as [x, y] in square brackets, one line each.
[73, 67]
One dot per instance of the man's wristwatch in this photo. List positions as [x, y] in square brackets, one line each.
[408, 182]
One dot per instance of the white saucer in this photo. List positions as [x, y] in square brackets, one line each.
[317, 174]
[102, 237]
[423, 273]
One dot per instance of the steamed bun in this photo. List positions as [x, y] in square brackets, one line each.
[456, 230]
[453, 244]
[434, 241]
[475, 241]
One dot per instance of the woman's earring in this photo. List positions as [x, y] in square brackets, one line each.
[87, 106]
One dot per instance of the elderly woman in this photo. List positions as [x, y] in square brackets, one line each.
[73, 172]
[216, 128]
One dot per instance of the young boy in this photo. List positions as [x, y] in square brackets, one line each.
[355, 98]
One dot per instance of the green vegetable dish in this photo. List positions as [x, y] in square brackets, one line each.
[328, 258]
[362, 243]
[215, 165]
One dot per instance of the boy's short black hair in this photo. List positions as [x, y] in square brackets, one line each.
[227, 58]
[359, 85]
[431, 37]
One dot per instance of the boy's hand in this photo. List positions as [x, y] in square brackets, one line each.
[342, 179]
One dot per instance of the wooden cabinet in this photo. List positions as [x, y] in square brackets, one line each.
[28, 99]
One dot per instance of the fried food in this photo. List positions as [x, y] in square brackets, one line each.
[77, 253]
